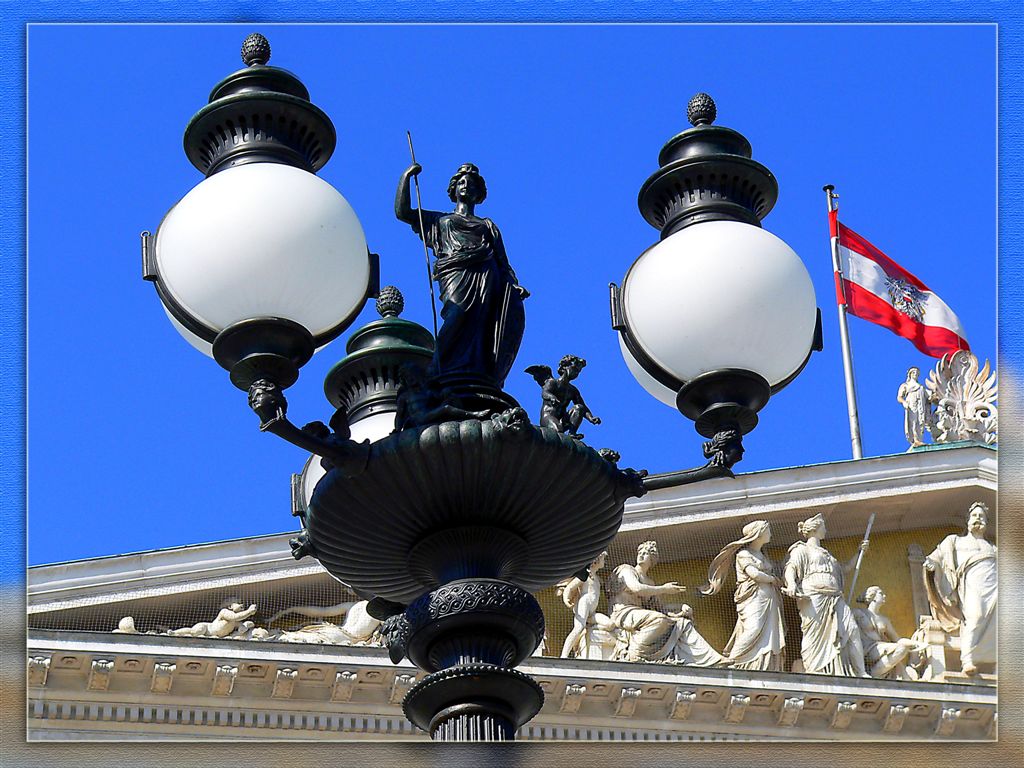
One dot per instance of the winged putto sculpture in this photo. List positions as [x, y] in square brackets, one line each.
[562, 408]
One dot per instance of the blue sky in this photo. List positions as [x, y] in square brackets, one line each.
[136, 441]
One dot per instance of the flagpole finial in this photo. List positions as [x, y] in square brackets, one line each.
[701, 110]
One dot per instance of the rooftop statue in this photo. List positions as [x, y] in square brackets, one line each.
[831, 642]
[917, 413]
[558, 392]
[359, 627]
[884, 649]
[482, 301]
[960, 579]
[229, 621]
[593, 635]
[649, 632]
[758, 640]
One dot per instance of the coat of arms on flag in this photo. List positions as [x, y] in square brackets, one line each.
[905, 297]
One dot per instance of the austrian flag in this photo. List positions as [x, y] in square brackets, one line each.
[874, 287]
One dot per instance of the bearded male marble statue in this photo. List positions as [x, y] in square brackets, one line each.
[960, 579]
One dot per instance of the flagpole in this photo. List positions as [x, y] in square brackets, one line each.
[844, 335]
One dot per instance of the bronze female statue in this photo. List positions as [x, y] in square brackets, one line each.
[482, 301]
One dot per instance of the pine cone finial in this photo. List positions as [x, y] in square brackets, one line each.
[701, 110]
[255, 49]
[390, 302]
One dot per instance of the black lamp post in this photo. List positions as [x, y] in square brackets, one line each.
[447, 519]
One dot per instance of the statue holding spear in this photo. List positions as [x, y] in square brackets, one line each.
[481, 300]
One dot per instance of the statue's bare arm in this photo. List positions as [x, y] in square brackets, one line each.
[791, 587]
[403, 201]
[633, 584]
[758, 575]
[230, 615]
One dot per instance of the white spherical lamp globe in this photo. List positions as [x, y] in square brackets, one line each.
[263, 240]
[718, 295]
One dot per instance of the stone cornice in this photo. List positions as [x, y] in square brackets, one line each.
[799, 490]
[889, 485]
[190, 687]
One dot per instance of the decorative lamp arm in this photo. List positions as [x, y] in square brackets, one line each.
[268, 402]
[722, 452]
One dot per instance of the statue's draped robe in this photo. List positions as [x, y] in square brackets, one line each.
[759, 636]
[962, 596]
[830, 644]
[916, 411]
[652, 635]
[482, 312]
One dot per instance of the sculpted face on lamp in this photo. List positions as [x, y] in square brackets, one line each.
[448, 566]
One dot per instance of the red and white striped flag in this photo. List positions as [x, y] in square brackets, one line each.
[874, 287]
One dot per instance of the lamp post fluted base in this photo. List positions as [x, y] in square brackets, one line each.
[473, 702]
[468, 634]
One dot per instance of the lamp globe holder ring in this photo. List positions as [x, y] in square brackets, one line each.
[271, 348]
[724, 399]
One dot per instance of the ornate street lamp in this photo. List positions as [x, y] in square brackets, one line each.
[434, 498]
[449, 520]
[719, 314]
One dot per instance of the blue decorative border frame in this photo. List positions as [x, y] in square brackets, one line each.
[15, 14]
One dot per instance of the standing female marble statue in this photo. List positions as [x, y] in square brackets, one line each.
[593, 636]
[884, 649]
[649, 632]
[917, 413]
[482, 301]
[759, 636]
[831, 643]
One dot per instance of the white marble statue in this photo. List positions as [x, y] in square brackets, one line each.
[884, 650]
[831, 642]
[758, 640]
[126, 626]
[359, 627]
[229, 621]
[965, 398]
[593, 635]
[649, 633]
[232, 623]
[917, 412]
[960, 579]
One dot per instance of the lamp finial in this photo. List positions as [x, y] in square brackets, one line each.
[701, 110]
[255, 49]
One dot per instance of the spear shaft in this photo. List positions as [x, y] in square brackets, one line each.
[423, 235]
[860, 558]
